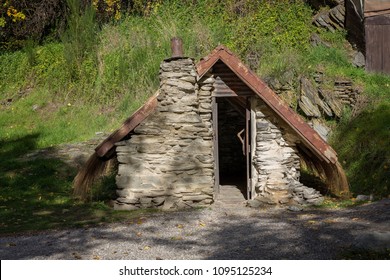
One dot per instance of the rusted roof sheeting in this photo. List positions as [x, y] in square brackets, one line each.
[309, 137]
[131, 123]
[376, 7]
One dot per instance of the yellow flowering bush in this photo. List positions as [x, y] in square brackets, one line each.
[108, 8]
[7, 11]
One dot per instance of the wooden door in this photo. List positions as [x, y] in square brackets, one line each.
[377, 33]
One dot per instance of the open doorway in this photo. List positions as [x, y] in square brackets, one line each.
[232, 149]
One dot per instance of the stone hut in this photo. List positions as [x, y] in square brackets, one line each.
[212, 124]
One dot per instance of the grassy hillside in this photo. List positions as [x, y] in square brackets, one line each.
[94, 77]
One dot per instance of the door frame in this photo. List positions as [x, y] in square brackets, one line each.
[214, 117]
[249, 148]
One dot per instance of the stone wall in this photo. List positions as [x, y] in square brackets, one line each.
[277, 163]
[168, 160]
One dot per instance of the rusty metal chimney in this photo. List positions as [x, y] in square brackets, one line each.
[177, 47]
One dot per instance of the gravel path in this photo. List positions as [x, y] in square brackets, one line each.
[215, 233]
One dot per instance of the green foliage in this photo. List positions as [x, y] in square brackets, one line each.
[363, 145]
[80, 39]
[14, 74]
[363, 141]
[272, 26]
[332, 58]
[49, 66]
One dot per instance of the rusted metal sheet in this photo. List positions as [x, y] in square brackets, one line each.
[132, 122]
[308, 136]
[207, 62]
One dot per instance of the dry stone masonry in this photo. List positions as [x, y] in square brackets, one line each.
[168, 161]
[277, 164]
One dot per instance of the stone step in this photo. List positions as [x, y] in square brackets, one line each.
[230, 196]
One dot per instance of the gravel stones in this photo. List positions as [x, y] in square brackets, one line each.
[214, 233]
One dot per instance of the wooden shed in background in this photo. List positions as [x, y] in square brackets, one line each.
[368, 25]
[377, 35]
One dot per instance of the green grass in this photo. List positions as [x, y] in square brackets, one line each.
[336, 203]
[36, 193]
[363, 145]
[54, 121]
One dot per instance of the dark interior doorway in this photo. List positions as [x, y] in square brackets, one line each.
[231, 144]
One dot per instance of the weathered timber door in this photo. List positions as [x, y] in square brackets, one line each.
[377, 32]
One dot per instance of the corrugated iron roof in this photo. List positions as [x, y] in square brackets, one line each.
[310, 138]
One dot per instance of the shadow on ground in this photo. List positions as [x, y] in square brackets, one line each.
[211, 234]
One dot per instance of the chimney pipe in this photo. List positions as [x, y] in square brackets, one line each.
[177, 47]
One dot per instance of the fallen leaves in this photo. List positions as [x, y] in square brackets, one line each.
[202, 224]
